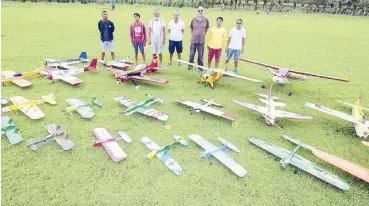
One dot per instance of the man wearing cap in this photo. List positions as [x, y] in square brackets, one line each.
[157, 35]
[106, 28]
[216, 35]
[199, 26]
[175, 30]
[138, 37]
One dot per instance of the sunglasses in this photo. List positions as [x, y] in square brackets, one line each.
[239, 23]
[200, 10]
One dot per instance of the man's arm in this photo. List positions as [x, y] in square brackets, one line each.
[207, 26]
[163, 35]
[191, 26]
[149, 38]
[131, 33]
[229, 41]
[112, 27]
[144, 34]
[243, 45]
[98, 26]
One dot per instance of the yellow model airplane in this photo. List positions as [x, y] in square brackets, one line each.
[357, 116]
[19, 79]
[213, 75]
[28, 107]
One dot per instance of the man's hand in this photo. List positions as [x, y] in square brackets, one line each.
[163, 40]
[149, 41]
[242, 50]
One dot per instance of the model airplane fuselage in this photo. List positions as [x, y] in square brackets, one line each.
[55, 62]
[280, 74]
[357, 116]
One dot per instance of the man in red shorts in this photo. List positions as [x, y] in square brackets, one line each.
[217, 35]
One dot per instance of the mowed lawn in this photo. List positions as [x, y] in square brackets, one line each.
[331, 45]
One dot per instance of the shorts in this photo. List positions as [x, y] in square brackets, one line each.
[235, 52]
[214, 52]
[157, 45]
[175, 45]
[107, 45]
[138, 45]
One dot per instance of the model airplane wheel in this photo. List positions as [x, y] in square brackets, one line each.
[289, 93]
[295, 171]
[234, 124]
[263, 86]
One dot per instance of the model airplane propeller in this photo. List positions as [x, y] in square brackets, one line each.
[356, 170]
[288, 157]
[280, 75]
[142, 107]
[358, 117]
[269, 112]
[213, 75]
[138, 73]
[206, 107]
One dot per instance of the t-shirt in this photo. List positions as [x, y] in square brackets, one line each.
[216, 37]
[156, 27]
[198, 30]
[138, 33]
[106, 31]
[236, 38]
[176, 30]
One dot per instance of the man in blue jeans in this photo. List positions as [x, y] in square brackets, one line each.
[235, 44]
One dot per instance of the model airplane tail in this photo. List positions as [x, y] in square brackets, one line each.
[49, 99]
[83, 56]
[357, 104]
[229, 145]
[156, 99]
[299, 143]
[154, 62]
[92, 66]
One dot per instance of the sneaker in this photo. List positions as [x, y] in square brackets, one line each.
[235, 71]
[170, 64]
[189, 68]
[200, 72]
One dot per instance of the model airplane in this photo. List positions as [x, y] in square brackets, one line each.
[280, 74]
[19, 78]
[138, 73]
[110, 144]
[67, 75]
[80, 107]
[269, 112]
[288, 157]
[97, 102]
[219, 154]
[162, 152]
[355, 170]
[57, 134]
[213, 75]
[205, 107]
[358, 117]
[118, 64]
[55, 62]
[29, 108]
[10, 130]
[142, 107]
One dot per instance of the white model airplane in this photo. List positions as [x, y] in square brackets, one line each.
[118, 64]
[60, 62]
[357, 117]
[67, 75]
[205, 107]
[269, 112]
[219, 154]
[280, 74]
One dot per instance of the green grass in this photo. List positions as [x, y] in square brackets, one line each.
[331, 45]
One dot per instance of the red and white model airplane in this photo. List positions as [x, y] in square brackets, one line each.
[280, 74]
[67, 75]
[138, 73]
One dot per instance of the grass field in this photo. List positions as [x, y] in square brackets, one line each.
[331, 45]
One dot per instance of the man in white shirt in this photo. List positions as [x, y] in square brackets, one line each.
[235, 44]
[156, 35]
[175, 29]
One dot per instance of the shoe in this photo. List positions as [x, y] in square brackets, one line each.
[189, 68]
[200, 72]
[179, 64]
[235, 71]
[170, 64]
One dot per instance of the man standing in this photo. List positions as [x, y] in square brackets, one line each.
[199, 27]
[216, 36]
[157, 35]
[235, 44]
[106, 28]
[138, 37]
[175, 29]
[112, 5]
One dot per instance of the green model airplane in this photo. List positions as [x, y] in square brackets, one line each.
[288, 157]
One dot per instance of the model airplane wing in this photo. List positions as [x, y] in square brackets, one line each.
[72, 80]
[31, 110]
[219, 155]
[302, 163]
[290, 115]
[21, 82]
[150, 79]
[232, 74]
[152, 113]
[206, 109]
[260, 109]
[82, 108]
[125, 101]
[332, 112]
